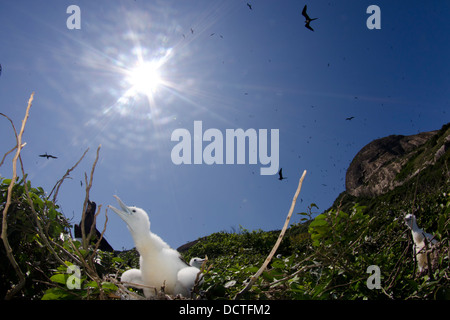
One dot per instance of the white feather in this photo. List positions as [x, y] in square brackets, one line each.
[160, 265]
[419, 237]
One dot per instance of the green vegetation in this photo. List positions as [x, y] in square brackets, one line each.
[324, 256]
[332, 262]
[328, 257]
[39, 237]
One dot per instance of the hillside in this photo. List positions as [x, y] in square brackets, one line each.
[327, 257]
[376, 168]
[330, 255]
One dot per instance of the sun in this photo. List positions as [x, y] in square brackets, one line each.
[145, 78]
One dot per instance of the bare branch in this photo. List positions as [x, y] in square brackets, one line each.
[86, 238]
[4, 234]
[277, 244]
[37, 219]
[60, 181]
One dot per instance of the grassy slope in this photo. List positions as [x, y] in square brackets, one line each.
[328, 258]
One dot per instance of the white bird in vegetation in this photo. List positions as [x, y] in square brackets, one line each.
[419, 237]
[187, 277]
[160, 265]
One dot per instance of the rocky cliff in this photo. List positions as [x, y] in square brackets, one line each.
[389, 162]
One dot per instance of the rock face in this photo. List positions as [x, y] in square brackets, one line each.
[388, 162]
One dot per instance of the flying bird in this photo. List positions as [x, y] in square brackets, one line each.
[280, 174]
[159, 263]
[192, 31]
[419, 237]
[249, 5]
[0, 69]
[47, 156]
[349, 118]
[307, 19]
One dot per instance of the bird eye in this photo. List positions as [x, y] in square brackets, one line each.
[134, 210]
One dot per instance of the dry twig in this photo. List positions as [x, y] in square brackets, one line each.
[277, 244]
[60, 181]
[4, 234]
[86, 238]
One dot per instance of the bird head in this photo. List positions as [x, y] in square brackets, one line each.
[135, 218]
[410, 220]
[196, 262]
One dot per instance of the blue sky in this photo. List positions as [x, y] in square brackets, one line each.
[239, 68]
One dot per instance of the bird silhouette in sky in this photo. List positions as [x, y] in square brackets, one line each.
[249, 5]
[0, 69]
[349, 118]
[280, 174]
[47, 156]
[307, 19]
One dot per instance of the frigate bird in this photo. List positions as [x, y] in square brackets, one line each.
[187, 277]
[280, 174]
[307, 19]
[0, 69]
[159, 263]
[88, 222]
[47, 156]
[421, 239]
[349, 118]
[249, 5]
[196, 262]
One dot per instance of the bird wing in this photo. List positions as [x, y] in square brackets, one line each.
[77, 231]
[430, 238]
[53, 157]
[309, 27]
[132, 276]
[280, 173]
[305, 14]
[184, 261]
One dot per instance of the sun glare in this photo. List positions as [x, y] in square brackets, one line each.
[145, 78]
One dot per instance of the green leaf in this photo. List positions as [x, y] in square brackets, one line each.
[318, 223]
[58, 294]
[59, 278]
[92, 284]
[108, 286]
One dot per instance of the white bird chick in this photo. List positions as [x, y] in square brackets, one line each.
[196, 262]
[419, 237]
[159, 263]
[188, 276]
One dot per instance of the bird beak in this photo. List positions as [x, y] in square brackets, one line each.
[125, 212]
[408, 221]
